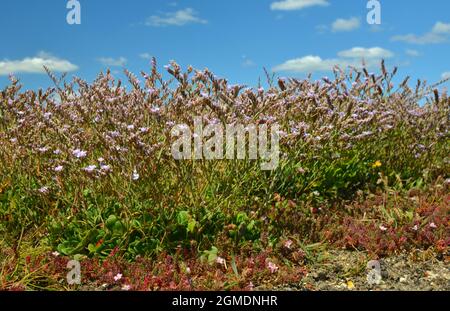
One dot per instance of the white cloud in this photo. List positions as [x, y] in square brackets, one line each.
[352, 57]
[36, 64]
[440, 27]
[342, 24]
[429, 38]
[309, 63]
[290, 5]
[113, 62]
[145, 55]
[446, 75]
[368, 53]
[178, 18]
[439, 34]
[413, 53]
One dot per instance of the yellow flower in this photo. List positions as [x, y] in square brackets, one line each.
[350, 285]
[376, 164]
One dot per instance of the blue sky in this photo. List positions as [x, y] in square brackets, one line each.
[235, 38]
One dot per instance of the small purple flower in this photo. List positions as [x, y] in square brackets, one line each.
[114, 134]
[90, 169]
[44, 190]
[79, 153]
[155, 110]
[273, 268]
[105, 168]
[58, 169]
[288, 244]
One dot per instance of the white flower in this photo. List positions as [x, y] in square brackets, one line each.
[55, 253]
[382, 228]
[101, 160]
[126, 287]
[58, 169]
[43, 149]
[220, 261]
[135, 175]
[130, 127]
[90, 168]
[57, 151]
[415, 228]
[433, 225]
[13, 140]
[117, 277]
[144, 129]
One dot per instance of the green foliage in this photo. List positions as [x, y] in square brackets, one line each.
[140, 201]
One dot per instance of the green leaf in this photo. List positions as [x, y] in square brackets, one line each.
[92, 248]
[233, 266]
[183, 218]
[112, 219]
[191, 226]
[66, 247]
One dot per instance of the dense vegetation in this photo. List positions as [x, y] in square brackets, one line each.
[86, 169]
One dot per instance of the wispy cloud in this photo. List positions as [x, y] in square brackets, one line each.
[322, 28]
[439, 34]
[36, 64]
[367, 53]
[342, 24]
[247, 62]
[113, 62]
[145, 55]
[352, 57]
[413, 53]
[178, 18]
[291, 5]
